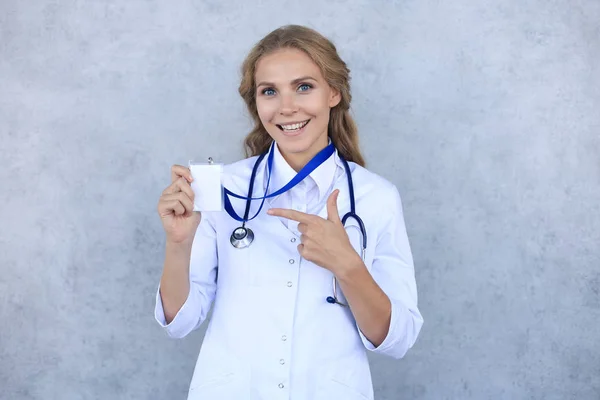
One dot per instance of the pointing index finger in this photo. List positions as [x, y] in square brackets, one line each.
[291, 214]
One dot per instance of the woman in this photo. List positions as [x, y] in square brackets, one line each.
[278, 329]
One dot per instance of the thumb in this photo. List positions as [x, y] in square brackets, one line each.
[332, 210]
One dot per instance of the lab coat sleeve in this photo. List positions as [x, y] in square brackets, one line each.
[393, 270]
[203, 274]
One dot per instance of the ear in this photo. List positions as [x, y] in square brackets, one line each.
[334, 98]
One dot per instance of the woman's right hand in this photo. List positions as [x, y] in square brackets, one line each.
[176, 205]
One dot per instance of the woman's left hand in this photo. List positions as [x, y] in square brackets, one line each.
[323, 241]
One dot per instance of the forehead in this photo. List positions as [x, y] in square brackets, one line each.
[286, 65]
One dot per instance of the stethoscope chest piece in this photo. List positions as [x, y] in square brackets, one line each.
[242, 237]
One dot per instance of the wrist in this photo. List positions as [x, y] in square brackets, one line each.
[178, 247]
[348, 268]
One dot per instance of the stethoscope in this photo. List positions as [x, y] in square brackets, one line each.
[243, 236]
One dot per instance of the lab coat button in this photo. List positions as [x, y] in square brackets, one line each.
[284, 338]
[293, 240]
[292, 261]
[289, 284]
[282, 361]
[281, 386]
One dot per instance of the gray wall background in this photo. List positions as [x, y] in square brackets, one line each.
[485, 114]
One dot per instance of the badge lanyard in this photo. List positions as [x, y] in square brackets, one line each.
[242, 236]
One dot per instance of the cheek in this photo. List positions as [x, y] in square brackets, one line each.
[317, 105]
[266, 110]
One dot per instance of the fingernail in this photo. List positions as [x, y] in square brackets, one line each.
[270, 212]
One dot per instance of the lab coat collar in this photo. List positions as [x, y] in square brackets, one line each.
[323, 176]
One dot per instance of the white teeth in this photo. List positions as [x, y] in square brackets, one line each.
[294, 127]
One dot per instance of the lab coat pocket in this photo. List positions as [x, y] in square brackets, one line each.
[336, 389]
[347, 378]
[343, 391]
[223, 386]
[219, 374]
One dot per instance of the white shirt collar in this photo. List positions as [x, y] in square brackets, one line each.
[323, 176]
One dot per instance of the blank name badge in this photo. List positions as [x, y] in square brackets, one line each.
[207, 185]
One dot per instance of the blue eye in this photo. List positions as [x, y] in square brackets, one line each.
[268, 92]
[306, 86]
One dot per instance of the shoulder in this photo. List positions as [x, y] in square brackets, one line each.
[380, 191]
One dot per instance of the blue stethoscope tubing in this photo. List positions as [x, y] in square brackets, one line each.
[325, 153]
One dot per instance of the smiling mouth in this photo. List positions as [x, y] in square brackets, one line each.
[293, 127]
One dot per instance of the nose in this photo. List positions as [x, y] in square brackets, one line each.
[288, 104]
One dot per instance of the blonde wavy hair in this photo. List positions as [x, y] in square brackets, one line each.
[342, 130]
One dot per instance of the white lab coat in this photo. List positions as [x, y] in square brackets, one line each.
[272, 335]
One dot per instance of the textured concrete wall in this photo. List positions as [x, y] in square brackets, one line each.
[485, 114]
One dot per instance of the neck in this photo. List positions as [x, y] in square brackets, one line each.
[298, 160]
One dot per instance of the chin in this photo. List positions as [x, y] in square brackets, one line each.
[297, 143]
[292, 146]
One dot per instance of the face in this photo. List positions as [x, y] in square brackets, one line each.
[293, 101]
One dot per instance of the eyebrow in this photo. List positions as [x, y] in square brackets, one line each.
[295, 81]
